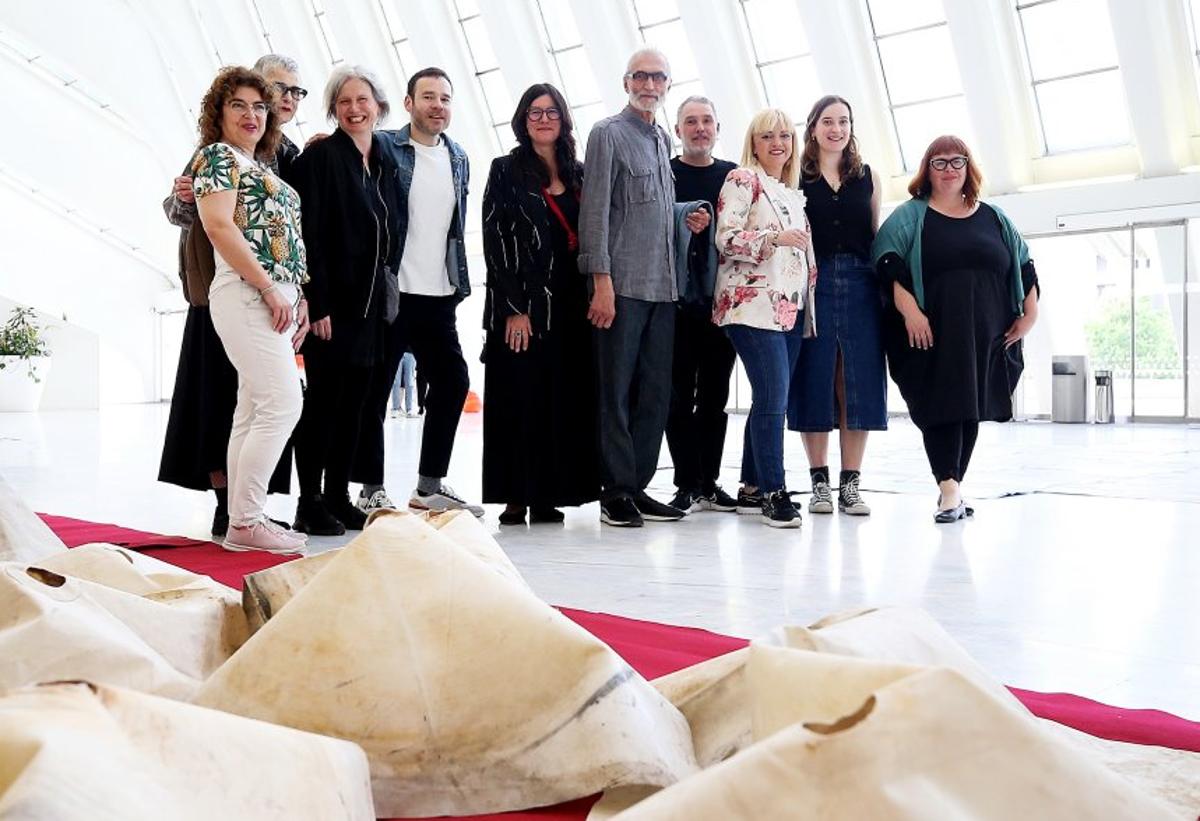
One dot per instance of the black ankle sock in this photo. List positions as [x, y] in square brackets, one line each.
[222, 499]
[820, 474]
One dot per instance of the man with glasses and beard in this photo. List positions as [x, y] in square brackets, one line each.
[627, 246]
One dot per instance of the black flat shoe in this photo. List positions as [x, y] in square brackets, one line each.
[220, 524]
[952, 515]
[545, 515]
[513, 517]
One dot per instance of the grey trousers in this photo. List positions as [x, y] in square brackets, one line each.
[633, 367]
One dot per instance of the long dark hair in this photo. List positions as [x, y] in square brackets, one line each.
[526, 160]
[850, 165]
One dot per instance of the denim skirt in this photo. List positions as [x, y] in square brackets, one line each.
[849, 320]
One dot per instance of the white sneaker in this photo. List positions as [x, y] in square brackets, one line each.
[443, 500]
[266, 536]
[376, 501]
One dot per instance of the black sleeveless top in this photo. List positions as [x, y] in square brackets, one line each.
[841, 221]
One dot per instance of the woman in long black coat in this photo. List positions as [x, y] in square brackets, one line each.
[539, 425]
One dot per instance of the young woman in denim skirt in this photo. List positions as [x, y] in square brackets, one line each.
[839, 380]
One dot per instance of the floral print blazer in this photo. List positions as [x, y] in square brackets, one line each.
[760, 284]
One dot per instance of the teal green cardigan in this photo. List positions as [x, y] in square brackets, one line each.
[901, 234]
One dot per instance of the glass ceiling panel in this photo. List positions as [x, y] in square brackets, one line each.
[775, 29]
[1084, 112]
[1068, 36]
[891, 16]
[920, 65]
[919, 124]
[650, 12]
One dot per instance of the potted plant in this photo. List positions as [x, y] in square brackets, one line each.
[24, 362]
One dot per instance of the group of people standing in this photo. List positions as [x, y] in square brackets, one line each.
[619, 295]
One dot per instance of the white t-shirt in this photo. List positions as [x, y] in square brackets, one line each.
[431, 205]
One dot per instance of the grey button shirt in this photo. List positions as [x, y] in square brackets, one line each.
[626, 210]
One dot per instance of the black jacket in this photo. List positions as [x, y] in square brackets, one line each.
[517, 247]
[351, 222]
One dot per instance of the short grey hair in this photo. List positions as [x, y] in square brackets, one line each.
[696, 98]
[648, 51]
[344, 74]
[277, 61]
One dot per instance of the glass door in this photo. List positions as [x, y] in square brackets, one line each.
[1159, 321]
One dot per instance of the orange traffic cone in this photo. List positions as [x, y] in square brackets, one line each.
[473, 404]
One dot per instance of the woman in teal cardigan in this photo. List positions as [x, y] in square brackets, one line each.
[965, 293]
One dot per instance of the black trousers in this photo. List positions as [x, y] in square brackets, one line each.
[633, 366]
[949, 448]
[333, 410]
[427, 326]
[700, 373]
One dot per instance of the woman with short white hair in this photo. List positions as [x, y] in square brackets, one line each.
[347, 182]
[765, 294]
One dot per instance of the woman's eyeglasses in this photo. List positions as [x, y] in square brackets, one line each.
[240, 107]
[295, 91]
[536, 114]
[941, 163]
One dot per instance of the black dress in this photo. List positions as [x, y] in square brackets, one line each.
[539, 426]
[968, 374]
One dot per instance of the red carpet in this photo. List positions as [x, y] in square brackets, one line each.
[650, 648]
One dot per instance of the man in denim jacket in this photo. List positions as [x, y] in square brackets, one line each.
[431, 280]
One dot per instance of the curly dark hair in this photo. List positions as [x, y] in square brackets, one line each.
[527, 161]
[851, 165]
[228, 81]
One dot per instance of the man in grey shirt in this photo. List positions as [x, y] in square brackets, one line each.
[627, 245]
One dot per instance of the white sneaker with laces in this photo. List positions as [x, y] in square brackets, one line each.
[821, 500]
[445, 499]
[376, 501]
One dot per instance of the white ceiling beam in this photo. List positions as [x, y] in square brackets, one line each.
[516, 35]
[988, 56]
[844, 52]
[726, 65]
[610, 36]
[1153, 51]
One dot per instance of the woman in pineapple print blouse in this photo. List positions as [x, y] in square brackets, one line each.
[253, 220]
[765, 294]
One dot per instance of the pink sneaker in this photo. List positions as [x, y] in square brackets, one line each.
[263, 535]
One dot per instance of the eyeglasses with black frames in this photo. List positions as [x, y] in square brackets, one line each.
[296, 92]
[942, 163]
[536, 114]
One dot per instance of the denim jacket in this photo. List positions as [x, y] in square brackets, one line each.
[400, 144]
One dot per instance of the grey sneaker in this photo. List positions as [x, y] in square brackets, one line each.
[849, 501]
[821, 500]
[445, 499]
[376, 501]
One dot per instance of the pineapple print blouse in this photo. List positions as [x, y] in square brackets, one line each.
[267, 212]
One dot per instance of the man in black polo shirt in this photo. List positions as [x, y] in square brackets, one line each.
[703, 359]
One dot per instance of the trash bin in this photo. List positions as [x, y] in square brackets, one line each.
[1104, 398]
[1068, 396]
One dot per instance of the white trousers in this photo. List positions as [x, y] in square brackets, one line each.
[269, 399]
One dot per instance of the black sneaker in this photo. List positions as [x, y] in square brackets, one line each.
[687, 501]
[748, 504]
[849, 500]
[779, 511]
[620, 512]
[347, 512]
[314, 518]
[653, 510]
[718, 499]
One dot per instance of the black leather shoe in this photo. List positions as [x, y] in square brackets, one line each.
[653, 510]
[346, 512]
[314, 518]
[220, 522]
[952, 515]
[513, 517]
[545, 515]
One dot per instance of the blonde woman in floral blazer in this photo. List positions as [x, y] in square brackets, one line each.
[765, 298]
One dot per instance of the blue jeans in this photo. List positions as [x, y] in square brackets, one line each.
[769, 358]
[404, 380]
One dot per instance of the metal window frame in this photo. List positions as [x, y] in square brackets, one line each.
[760, 64]
[318, 15]
[461, 19]
[554, 52]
